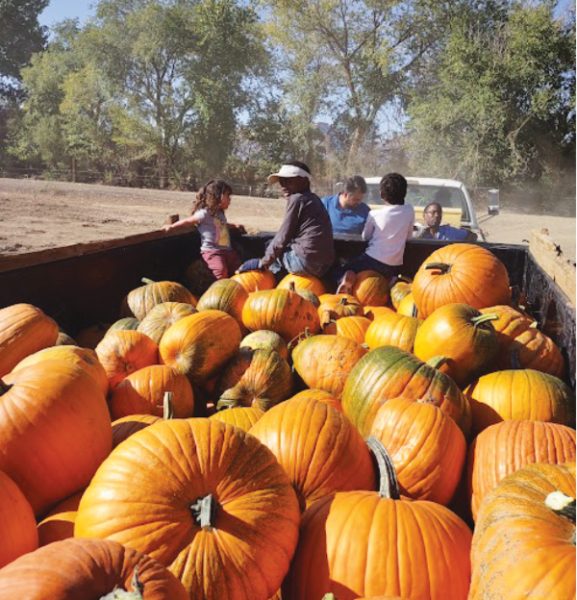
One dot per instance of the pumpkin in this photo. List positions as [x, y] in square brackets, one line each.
[353, 328]
[58, 524]
[399, 290]
[315, 395]
[75, 569]
[302, 281]
[243, 417]
[160, 317]
[265, 340]
[141, 299]
[365, 543]
[123, 351]
[460, 273]
[202, 497]
[374, 312]
[63, 339]
[126, 426]
[331, 456]
[255, 281]
[388, 372]
[371, 288]
[226, 295]
[426, 447]
[283, 311]
[54, 430]
[124, 323]
[408, 307]
[142, 392]
[199, 345]
[522, 345]
[17, 523]
[522, 394]
[505, 447]
[24, 329]
[461, 334]
[336, 306]
[524, 545]
[325, 361]
[258, 378]
[392, 330]
[83, 357]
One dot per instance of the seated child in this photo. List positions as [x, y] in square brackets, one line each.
[208, 215]
[387, 230]
[304, 242]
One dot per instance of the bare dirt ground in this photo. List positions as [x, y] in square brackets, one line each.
[37, 215]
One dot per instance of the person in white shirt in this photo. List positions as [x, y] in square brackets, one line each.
[386, 230]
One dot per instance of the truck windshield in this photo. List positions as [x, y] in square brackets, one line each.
[420, 195]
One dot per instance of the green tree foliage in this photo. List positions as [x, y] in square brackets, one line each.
[499, 106]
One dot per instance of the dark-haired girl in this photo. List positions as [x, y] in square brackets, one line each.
[207, 214]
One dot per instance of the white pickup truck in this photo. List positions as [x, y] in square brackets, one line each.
[457, 204]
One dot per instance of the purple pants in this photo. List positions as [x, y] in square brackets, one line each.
[222, 263]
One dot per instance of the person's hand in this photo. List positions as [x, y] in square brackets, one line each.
[241, 229]
[252, 264]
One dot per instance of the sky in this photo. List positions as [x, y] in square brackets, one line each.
[59, 10]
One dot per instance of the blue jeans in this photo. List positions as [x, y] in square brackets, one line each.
[292, 263]
[364, 262]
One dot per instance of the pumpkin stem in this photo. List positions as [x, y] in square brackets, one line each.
[388, 483]
[344, 301]
[561, 504]
[484, 319]
[329, 596]
[292, 286]
[437, 361]
[146, 280]
[120, 594]
[204, 511]
[4, 387]
[167, 406]
[438, 266]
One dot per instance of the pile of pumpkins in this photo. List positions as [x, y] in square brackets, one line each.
[278, 441]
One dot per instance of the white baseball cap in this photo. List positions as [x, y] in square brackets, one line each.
[288, 171]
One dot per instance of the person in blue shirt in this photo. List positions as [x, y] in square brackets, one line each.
[433, 230]
[346, 210]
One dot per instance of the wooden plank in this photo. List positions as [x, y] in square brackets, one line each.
[549, 256]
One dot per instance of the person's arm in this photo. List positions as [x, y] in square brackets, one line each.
[368, 228]
[411, 225]
[284, 235]
[191, 221]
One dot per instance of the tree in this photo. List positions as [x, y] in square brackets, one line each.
[500, 104]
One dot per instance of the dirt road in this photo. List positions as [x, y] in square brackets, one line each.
[36, 215]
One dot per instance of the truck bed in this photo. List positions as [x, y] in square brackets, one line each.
[82, 285]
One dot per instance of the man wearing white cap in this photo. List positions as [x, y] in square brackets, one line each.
[304, 242]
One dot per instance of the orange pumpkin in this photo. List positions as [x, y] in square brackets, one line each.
[505, 447]
[58, 524]
[122, 352]
[17, 523]
[226, 295]
[522, 345]
[283, 311]
[353, 328]
[463, 336]
[332, 456]
[392, 330]
[523, 545]
[460, 273]
[24, 329]
[243, 417]
[408, 307]
[399, 290]
[364, 543]
[374, 312]
[255, 281]
[54, 430]
[142, 392]
[160, 317]
[258, 378]
[202, 497]
[141, 299]
[302, 282]
[88, 570]
[83, 357]
[199, 345]
[324, 361]
[336, 306]
[426, 448]
[126, 426]
[315, 395]
[371, 288]
[521, 394]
